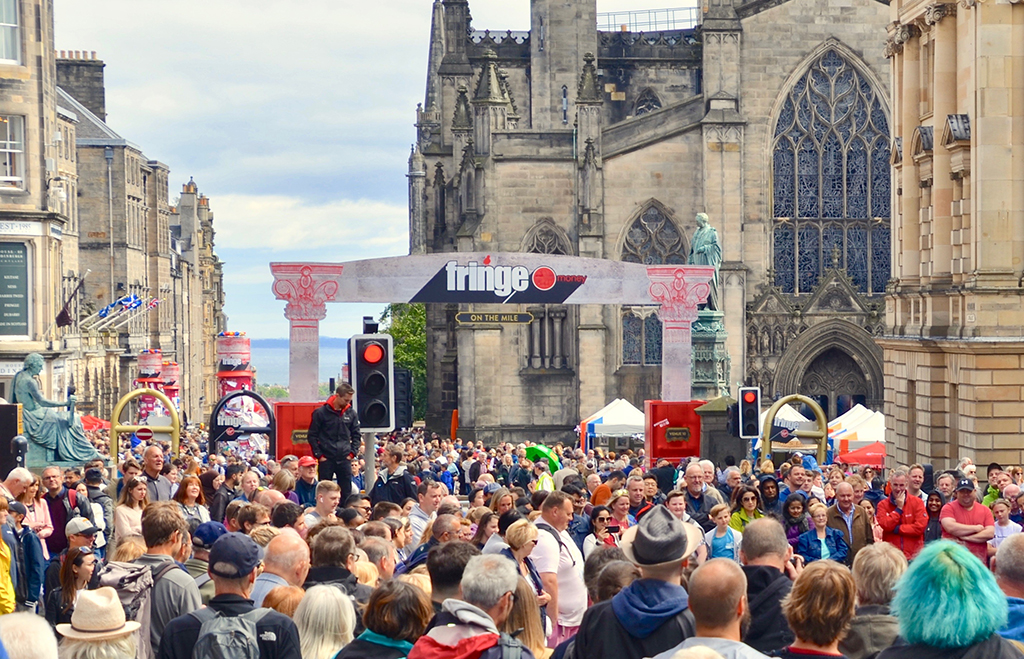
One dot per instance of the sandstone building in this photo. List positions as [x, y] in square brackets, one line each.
[76, 197]
[954, 349]
[772, 116]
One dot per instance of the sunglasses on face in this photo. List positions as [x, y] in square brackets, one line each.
[602, 519]
[749, 499]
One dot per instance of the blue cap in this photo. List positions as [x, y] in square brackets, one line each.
[234, 555]
[207, 533]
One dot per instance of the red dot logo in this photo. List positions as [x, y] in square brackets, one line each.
[544, 278]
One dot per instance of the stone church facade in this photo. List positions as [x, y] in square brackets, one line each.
[770, 116]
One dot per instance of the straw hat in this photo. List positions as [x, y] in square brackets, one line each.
[98, 615]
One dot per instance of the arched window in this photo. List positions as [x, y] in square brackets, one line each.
[830, 175]
[652, 239]
[647, 101]
[546, 237]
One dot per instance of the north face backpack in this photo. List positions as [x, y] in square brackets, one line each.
[134, 585]
[227, 637]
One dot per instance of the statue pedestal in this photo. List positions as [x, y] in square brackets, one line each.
[710, 357]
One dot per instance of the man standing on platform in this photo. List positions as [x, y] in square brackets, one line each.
[334, 436]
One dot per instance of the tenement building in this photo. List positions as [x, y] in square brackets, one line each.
[955, 313]
[86, 221]
[594, 136]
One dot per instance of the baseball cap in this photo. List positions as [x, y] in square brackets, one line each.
[80, 526]
[965, 484]
[234, 555]
[17, 507]
[93, 475]
[307, 461]
[207, 533]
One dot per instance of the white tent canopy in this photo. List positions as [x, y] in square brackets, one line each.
[786, 417]
[865, 428]
[855, 416]
[616, 419]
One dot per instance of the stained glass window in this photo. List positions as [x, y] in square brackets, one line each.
[652, 239]
[831, 180]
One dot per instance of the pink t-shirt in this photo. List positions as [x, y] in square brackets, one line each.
[978, 514]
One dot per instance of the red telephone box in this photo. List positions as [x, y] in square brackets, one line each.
[672, 430]
[292, 427]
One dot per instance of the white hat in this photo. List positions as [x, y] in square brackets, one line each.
[98, 615]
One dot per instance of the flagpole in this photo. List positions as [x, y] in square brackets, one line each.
[146, 306]
[110, 320]
[67, 302]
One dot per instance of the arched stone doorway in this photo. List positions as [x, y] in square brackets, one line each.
[834, 362]
[835, 381]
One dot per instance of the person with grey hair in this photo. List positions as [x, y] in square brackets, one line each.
[445, 529]
[766, 555]
[903, 517]
[1009, 567]
[488, 593]
[16, 482]
[326, 620]
[876, 569]
[733, 478]
[381, 553]
[27, 636]
[285, 563]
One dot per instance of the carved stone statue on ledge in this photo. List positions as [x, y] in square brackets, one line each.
[58, 433]
[707, 251]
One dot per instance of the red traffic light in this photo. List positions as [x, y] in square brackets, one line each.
[373, 353]
[749, 397]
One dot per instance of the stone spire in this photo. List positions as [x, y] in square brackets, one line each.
[588, 90]
[489, 88]
[463, 119]
[435, 56]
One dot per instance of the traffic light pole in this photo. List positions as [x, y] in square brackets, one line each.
[370, 457]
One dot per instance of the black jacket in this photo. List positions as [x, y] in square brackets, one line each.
[333, 434]
[993, 647]
[277, 634]
[219, 503]
[603, 636]
[396, 487]
[55, 613]
[330, 575]
[362, 648]
[766, 587]
[51, 581]
[97, 495]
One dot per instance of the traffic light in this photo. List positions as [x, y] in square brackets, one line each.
[372, 367]
[750, 412]
[733, 421]
[403, 398]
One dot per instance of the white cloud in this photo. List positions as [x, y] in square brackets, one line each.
[279, 223]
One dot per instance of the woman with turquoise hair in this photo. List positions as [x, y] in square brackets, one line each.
[949, 607]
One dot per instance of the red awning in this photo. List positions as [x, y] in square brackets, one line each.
[872, 455]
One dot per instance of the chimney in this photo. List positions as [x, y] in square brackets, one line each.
[82, 76]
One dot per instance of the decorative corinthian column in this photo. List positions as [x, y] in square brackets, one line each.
[679, 290]
[307, 287]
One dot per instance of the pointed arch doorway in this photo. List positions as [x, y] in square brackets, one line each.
[835, 381]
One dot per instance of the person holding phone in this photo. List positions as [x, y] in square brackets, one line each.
[606, 530]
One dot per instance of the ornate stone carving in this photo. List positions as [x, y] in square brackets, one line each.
[891, 48]
[588, 90]
[679, 290]
[935, 13]
[307, 288]
[905, 32]
[968, 4]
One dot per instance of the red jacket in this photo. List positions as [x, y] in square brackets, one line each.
[904, 529]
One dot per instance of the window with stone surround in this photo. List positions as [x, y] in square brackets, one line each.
[12, 151]
[10, 35]
[652, 239]
[831, 180]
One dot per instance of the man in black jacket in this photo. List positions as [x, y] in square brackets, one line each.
[766, 554]
[226, 493]
[331, 561]
[333, 436]
[234, 559]
[651, 615]
[395, 483]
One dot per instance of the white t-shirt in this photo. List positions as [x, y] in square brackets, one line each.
[1004, 532]
[566, 563]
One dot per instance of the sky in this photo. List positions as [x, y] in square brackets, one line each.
[295, 119]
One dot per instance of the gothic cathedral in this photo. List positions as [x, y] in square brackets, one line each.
[771, 116]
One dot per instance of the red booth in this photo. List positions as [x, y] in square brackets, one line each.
[672, 430]
[292, 425]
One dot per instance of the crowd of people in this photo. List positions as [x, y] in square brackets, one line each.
[460, 551]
